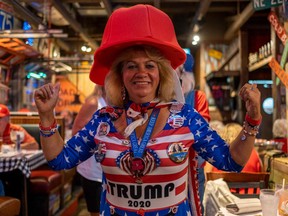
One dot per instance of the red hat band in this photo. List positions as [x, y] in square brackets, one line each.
[137, 25]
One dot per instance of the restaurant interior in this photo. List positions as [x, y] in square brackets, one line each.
[233, 42]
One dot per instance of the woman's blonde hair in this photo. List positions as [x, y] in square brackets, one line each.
[280, 128]
[230, 132]
[114, 82]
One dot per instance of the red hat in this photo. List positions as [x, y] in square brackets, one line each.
[4, 111]
[137, 25]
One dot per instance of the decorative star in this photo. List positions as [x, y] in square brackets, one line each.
[188, 213]
[209, 138]
[78, 148]
[92, 150]
[77, 135]
[211, 160]
[67, 159]
[203, 150]
[103, 213]
[85, 139]
[198, 133]
[92, 121]
[213, 147]
[79, 161]
[91, 133]
[199, 122]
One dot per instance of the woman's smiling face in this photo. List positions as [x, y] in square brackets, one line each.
[141, 78]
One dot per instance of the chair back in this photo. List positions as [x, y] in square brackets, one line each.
[242, 185]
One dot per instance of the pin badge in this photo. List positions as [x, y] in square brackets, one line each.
[103, 129]
[176, 121]
[177, 152]
[100, 152]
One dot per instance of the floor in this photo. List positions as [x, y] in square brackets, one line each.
[82, 210]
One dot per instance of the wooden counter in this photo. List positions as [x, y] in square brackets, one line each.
[279, 170]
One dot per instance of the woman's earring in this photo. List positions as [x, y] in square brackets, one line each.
[123, 93]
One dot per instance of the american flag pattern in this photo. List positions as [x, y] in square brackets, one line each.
[170, 188]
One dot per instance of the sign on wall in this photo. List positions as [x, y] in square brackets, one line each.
[6, 16]
[265, 4]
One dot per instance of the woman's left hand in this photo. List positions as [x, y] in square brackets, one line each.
[251, 95]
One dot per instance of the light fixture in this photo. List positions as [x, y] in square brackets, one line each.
[196, 38]
[48, 33]
[194, 43]
[86, 48]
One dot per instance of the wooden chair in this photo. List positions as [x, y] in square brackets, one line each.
[242, 185]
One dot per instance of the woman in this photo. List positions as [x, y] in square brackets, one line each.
[147, 141]
[90, 170]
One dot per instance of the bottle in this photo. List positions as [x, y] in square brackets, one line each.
[18, 143]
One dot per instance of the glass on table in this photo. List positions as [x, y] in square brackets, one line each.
[17, 137]
[282, 192]
[269, 202]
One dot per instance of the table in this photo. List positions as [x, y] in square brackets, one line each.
[24, 161]
[224, 212]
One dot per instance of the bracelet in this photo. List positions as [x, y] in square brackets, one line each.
[255, 128]
[48, 128]
[249, 130]
[251, 121]
[48, 131]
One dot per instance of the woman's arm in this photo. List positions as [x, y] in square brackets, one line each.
[46, 98]
[242, 146]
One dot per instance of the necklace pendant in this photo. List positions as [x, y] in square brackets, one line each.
[138, 165]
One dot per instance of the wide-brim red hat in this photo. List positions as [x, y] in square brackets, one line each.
[137, 25]
[4, 111]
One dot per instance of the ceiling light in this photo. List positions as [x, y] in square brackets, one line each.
[84, 48]
[196, 38]
[194, 42]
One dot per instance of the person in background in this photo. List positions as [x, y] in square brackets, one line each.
[69, 119]
[28, 143]
[147, 139]
[90, 170]
[280, 133]
[197, 99]
[229, 133]
[6, 128]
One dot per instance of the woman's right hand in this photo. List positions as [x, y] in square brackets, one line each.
[46, 98]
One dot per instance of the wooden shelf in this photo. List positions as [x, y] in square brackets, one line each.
[221, 74]
[228, 58]
[260, 64]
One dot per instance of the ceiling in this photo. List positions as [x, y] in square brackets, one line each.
[84, 20]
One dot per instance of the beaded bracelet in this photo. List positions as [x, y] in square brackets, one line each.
[48, 131]
[251, 130]
[251, 121]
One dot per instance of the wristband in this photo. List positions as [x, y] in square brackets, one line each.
[251, 121]
[54, 125]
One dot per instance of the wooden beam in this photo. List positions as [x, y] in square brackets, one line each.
[242, 19]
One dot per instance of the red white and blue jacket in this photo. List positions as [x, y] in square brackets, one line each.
[169, 183]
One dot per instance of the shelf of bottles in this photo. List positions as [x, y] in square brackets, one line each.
[260, 58]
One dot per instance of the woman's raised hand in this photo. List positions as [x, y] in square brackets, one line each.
[46, 97]
[251, 95]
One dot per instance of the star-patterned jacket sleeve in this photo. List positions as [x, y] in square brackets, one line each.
[208, 144]
[80, 147]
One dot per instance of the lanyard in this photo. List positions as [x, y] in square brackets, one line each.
[138, 151]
